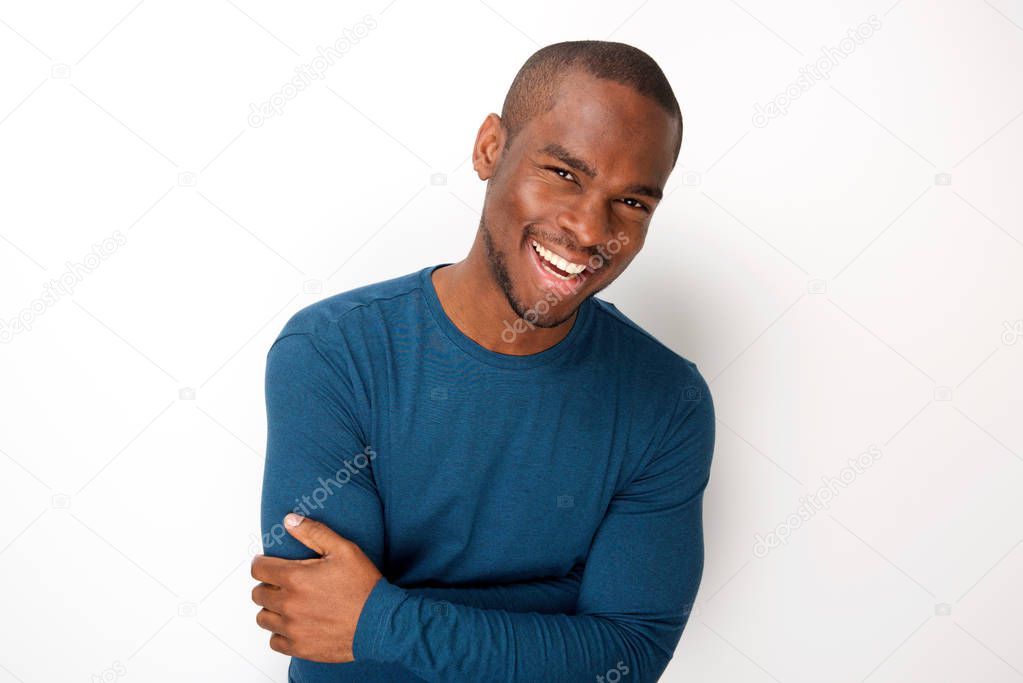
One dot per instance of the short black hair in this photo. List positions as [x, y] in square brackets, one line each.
[533, 90]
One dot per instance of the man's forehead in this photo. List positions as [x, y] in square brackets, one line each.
[591, 128]
[583, 98]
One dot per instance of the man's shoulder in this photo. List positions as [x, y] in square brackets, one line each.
[324, 318]
[642, 346]
[665, 383]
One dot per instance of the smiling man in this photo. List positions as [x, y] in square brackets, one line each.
[497, 475]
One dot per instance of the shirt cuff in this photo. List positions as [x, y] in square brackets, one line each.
[369, 642]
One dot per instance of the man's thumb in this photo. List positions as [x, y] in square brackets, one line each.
[312, 534]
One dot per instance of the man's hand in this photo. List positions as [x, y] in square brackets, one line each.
[312, 606]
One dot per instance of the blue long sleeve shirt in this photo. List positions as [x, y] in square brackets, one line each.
[536, 517]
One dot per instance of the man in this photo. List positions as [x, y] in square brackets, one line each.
[499, 476]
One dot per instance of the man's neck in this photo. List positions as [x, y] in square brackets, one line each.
[478, 307]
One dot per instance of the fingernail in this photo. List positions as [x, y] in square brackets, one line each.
[293, 519]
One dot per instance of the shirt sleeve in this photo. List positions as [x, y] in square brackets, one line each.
[552, 595]
[320, 464]
[640, 581]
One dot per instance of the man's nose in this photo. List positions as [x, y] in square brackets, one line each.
[588, 218]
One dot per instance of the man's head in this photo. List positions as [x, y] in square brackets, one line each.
[576, 163]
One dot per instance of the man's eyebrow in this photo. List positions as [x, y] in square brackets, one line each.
[557, 151]
[567, 158]
[647, 190]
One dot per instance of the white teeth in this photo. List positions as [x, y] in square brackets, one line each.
[551, 257]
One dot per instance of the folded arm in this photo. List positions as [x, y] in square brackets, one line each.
[635, 594]
[318, 464]
[641, 577]
[553, 595]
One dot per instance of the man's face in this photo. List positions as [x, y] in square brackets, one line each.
[582, 181]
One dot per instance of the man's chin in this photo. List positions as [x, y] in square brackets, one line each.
[549, 312]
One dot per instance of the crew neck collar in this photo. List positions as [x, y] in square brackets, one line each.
[504, 360]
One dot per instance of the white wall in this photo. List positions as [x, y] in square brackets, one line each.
[838, 292]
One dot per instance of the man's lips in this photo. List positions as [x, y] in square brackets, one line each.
[570, 265]
[548, 278]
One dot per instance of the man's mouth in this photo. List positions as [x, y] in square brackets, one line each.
[556, 265]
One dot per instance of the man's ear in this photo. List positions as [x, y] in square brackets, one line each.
[486, 153]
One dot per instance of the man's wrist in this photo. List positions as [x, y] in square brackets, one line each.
[369, 642]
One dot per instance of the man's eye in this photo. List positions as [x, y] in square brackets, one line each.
[636, 204]
[568, 174]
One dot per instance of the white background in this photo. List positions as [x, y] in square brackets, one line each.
[835, 288]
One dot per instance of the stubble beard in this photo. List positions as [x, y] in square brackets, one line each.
[497, 265]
